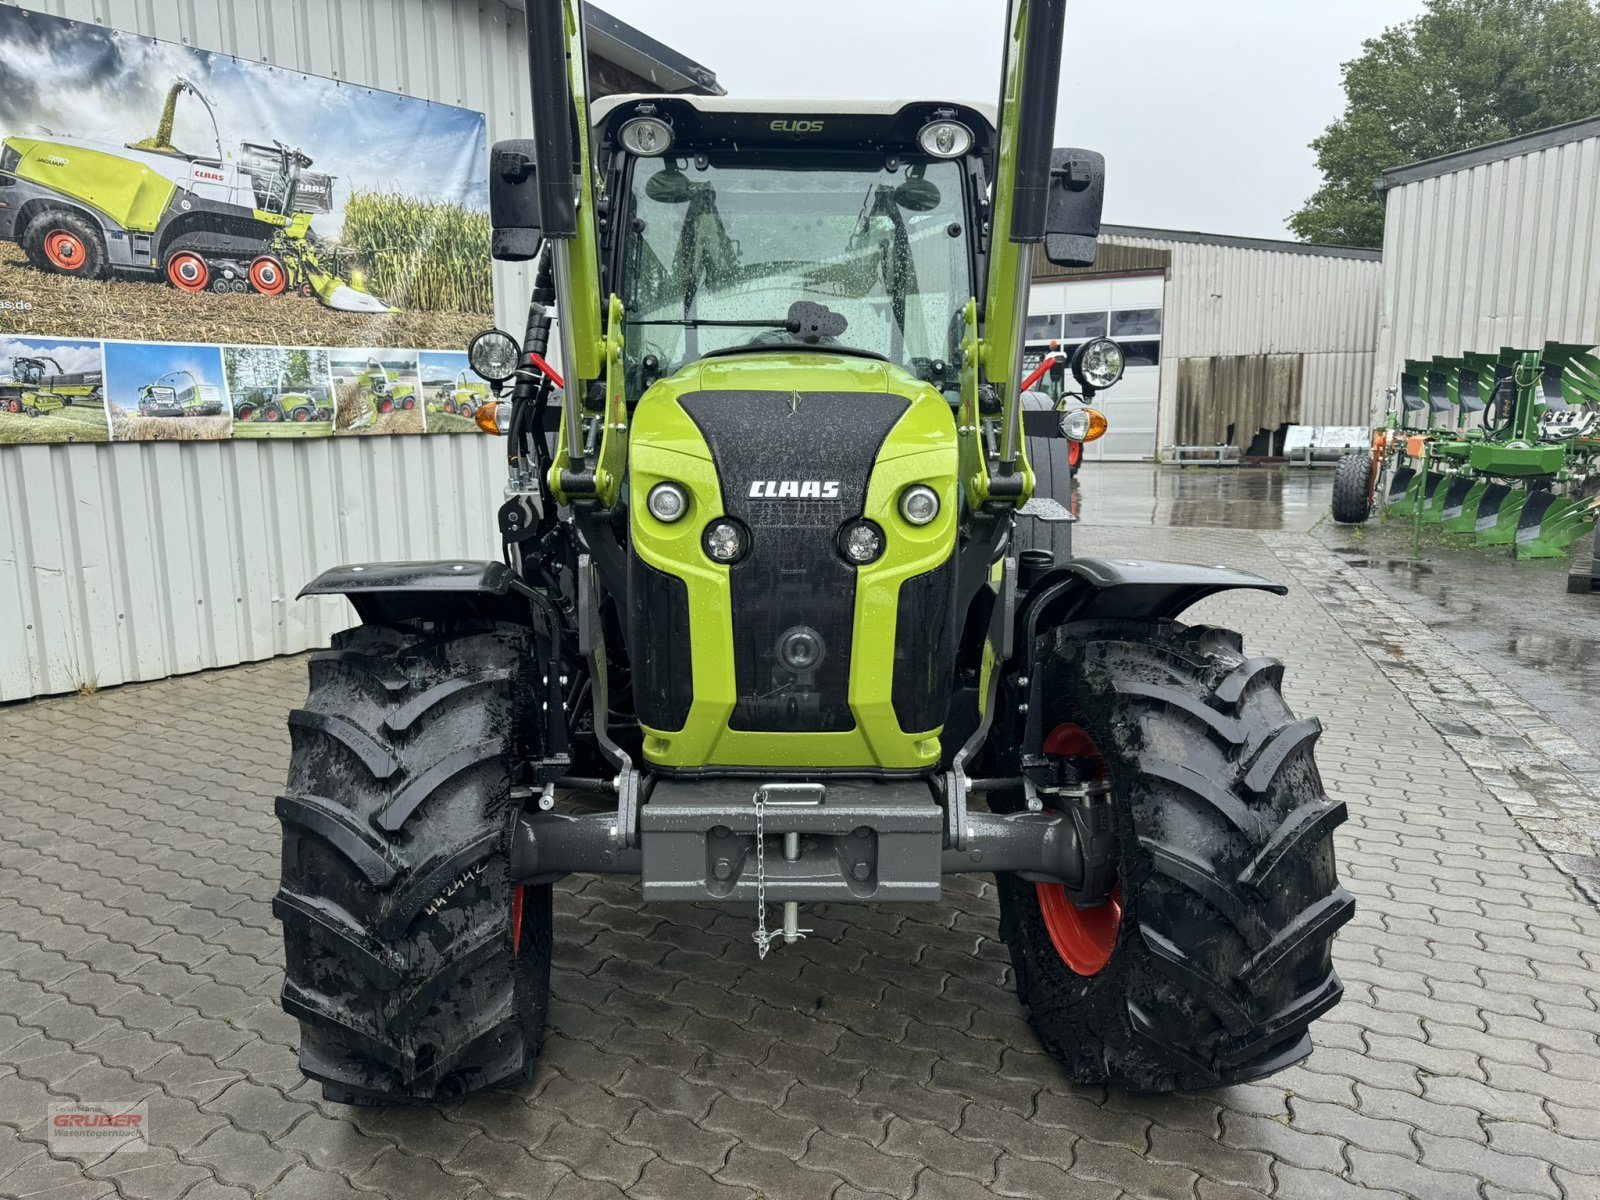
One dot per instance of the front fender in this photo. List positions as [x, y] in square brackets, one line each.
[1135, 589]
[385, 593]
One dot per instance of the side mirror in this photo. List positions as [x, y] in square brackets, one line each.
[1072, 216]
[514, 201]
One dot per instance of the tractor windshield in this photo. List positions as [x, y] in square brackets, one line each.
[716, 241]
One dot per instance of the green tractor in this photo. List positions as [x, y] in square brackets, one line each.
[762, 608]
[459, 397]
[179, 394]
[285, 402]
[29, 390]
[242, 223]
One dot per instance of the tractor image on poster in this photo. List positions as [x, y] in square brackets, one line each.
[763, 635]
[459, 397]
[382, 393]
[33, 391]
[284, 402]
[179, 394]
[203, 222]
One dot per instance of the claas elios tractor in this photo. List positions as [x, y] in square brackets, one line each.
[460, 396]
[33, 391]
[203, 222]
[761, 606]
[179, 394]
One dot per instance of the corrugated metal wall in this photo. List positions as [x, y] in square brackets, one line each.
[1504, 253]
[1230, 301]
[138, 561]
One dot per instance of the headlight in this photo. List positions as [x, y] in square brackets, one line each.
[725, 541]
[493, 355]
[945, 139]
[1098, 363]
[645, 136]
[919, 504]
[1075, 424]
[861, 542]
[667, 502]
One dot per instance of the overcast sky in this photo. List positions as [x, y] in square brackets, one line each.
[1203, 108]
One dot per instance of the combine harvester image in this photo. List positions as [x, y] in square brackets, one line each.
[284, 403]
[90, 209]
[177, 399]
[31, 392]
[461, 398]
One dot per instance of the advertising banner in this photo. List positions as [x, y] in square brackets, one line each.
[197, 246]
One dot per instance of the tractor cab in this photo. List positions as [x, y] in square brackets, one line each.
[29, 371]
[160, 400]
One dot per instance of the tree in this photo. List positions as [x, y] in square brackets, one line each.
[1464, 73]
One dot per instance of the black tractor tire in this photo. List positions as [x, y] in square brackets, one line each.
[1225, 865]
[1352, 488]
[62, 220]
[398, 913]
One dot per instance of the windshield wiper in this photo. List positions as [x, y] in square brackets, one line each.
[810, 320]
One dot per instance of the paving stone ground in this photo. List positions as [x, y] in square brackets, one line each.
[885, 1057]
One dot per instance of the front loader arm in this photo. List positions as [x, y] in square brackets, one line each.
[1031, 76]
[558, 67]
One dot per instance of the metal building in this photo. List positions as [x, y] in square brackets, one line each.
[1491, 247]
[1227, 337]
[139, 560]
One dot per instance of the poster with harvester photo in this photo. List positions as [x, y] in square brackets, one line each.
[51, 390]
[278, 391]
[155, 192]
[452, 393]
[376, 391]
[163, 392]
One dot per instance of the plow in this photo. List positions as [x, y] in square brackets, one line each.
[1502, 449]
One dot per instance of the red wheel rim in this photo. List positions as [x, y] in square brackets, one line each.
[408, 402]
[246, 413]
[302, 415]
[516, 921]
[65, 250]
[188, 272]
[15, 406]
[1085, 938]
[267, 276]
[1074, 453]
[274, 415]
[386, 405]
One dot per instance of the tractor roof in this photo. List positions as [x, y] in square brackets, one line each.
[820, 123]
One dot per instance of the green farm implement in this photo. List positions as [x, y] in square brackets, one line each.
[284, 403]
[221, 222]
[171, 396]
[31, 391]
[1500, 448]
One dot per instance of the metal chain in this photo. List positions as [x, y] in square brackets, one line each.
[763, 938]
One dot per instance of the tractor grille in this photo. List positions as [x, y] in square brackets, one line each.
[793, 577]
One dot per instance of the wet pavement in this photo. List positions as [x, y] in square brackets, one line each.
[1259, 498]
